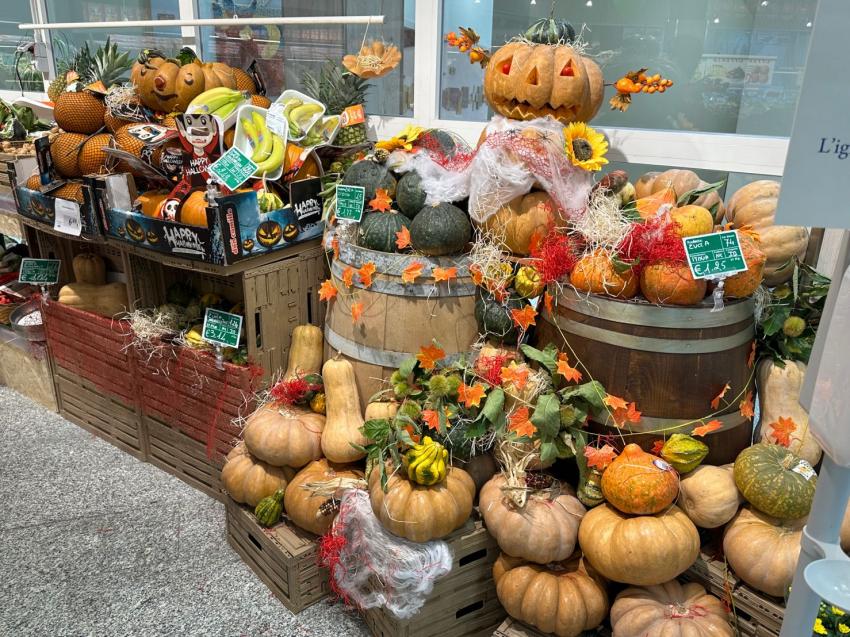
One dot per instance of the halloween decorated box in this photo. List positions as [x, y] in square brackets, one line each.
[76, 216]
[236, 229]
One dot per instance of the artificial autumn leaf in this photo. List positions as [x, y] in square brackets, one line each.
[470, 396]
[327, 291]
[444, 274]
[547, 302]
[746, 406]
[519, 423]
[516, 374]
[628, 414]
[409, 274]
[356, 311]
[524, 318]
[365, 272]
[615, 402]
[707, 428]
[402, 238]
[415, 437]
[348, 276]
[751, 360]
[428, 356]
[657, 446]
[782, 430]
[715, 402]
[477, 274]
[335, 246]
[564, 369]
[431, 419]
[382, 201]
[600, 458]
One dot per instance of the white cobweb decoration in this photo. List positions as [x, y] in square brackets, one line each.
[375, 568]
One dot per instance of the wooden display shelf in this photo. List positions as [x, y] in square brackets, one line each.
[284, 557]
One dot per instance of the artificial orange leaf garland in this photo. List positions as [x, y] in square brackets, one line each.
[515, 374]
[382, 201]
[547, 302]
[747, 406]
[751, 360]
[519, 423]
[715, 402]
[707, 428]
[657, 446]
[335, 246]
[444, 274]
[365, 273]
[524, 318]
[409, 274]
[348, 276]
[431, 419]
[470, 396]
[356, 311]
[600, 458]
[628, 414]
[327, 290]
[402, 238]
[615, 402]
[428, 356]
[782, 429]
[565, 370]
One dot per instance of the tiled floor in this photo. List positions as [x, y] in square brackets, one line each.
[95, 542]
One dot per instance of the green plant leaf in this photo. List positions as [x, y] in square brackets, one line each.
[548, 451]
[377, 429]
[592, 393]
[692, 195]
[407, 365]
[547, 417]
[774, 319]
[548, 357]
[494, 405]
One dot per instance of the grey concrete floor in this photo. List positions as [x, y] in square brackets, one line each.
[95, 542]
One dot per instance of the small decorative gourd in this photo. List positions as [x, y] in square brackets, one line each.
[684, 452]
[269, 509]
[425, 462]
[637, 482]
[305, 351]
[344, 417]
[89, 268]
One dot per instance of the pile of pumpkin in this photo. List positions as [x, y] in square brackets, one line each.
[90, 291]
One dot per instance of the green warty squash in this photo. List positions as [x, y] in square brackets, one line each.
[378, 230]
[683, 452]
[269, 509]
[775, 481]
[440, 230]
[371, 176]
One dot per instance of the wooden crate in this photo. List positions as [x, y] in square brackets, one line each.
[84, 404]
[182, 456]
[463, 603]
[284, 557]
[513, 628]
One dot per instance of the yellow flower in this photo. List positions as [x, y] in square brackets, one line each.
[843, 629]
[837, 611]
[404, 139]
[585, 147]
[820, 629]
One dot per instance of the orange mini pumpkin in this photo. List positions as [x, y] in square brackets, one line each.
[526, 81]
[743, 284]
[671, 283]
[639, 483]
[595, 273]
[193, 212]
[150, 202]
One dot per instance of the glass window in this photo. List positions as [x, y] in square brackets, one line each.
[284, 53]
[737, 64]
[14, 14]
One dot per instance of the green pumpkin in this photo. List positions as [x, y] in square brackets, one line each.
[409, 194]
[683, 452]
[371, 176]
[378, 230]
[494, 318]
[775, 481]
[440, 141]
[550, 31]
[269, 509]
[440, 230]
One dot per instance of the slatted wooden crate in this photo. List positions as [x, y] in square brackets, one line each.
[284, 557]
[182, 456]
[463, 603]
[84, 404]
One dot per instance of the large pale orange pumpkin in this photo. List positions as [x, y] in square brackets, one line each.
[639, 483]
[709, 497]
[671, 283]
[422, 513]
[526, 81]
[564, 599]
[595, 273]
[515, 223]
[284, 436]
[743, 284]
[249, 480]
[304, 506]
[639, 549]
[669, 610]
[193, 211]
[543, 530]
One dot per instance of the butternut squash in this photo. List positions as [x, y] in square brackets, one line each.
[305, 351]
[106, 300]
[344, 416]
[89, 268]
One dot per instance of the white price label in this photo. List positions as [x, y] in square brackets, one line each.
[67, 217]
[276, 121]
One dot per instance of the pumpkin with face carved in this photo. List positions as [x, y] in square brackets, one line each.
[525, 80]
[173, 86]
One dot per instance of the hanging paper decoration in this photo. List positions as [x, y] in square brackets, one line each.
[375, 59]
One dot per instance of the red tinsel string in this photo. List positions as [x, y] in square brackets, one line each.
[652, 241]
[490, 368]
[330, 547]
[289, 392]
[556, 255]
[457, 161]
[213, 426]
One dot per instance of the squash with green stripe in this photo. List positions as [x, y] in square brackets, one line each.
[269, 509]
[378, 230]
[494, 319]
[775, 481]
[550, 31]
[440, 230]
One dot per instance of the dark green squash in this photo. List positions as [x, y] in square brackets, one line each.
[494, 318]
[775, 481]
[440, 230]
[550, 31]
[378, 230]
[441, 141]
[409, 194]
[371, 176]
[269, 509]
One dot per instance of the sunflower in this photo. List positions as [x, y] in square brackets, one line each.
[403, 140]
[585, 147]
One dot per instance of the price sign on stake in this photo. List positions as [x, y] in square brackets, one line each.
[221, 328]
[714, 256]
[233, 168]
[349, 202]
[67, 217]
[39, 271]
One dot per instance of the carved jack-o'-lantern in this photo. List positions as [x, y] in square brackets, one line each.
[269, 233]
[173, 87]
[525, 80]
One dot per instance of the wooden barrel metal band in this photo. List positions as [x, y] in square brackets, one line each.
[654, 315]
[397, 288]
[659, 345]
[394, 264]
[366, 354]
[650, 425]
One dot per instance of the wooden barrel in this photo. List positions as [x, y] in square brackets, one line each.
[398, 318]
[671, 361]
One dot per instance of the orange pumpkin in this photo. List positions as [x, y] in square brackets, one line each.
[526, 81]
[311, 167]
[217, 74]
[144, 68]
[643, 186]
[151, 202]
[515, 223]
[304, 506]
[745, 283]
[683, 181]
[639, 483]
[595, 273]
[671, 283]
[193, 212]
[692, 220]
[172, 87]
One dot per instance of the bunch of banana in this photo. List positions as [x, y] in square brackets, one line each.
[221, 101]
[193, 337]
[320, 132]
[425, 463]
[269, 150]
[298, 114]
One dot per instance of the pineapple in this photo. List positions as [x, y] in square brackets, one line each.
[339, 89]
[72, 63]
[244, 81]
[107, 67]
